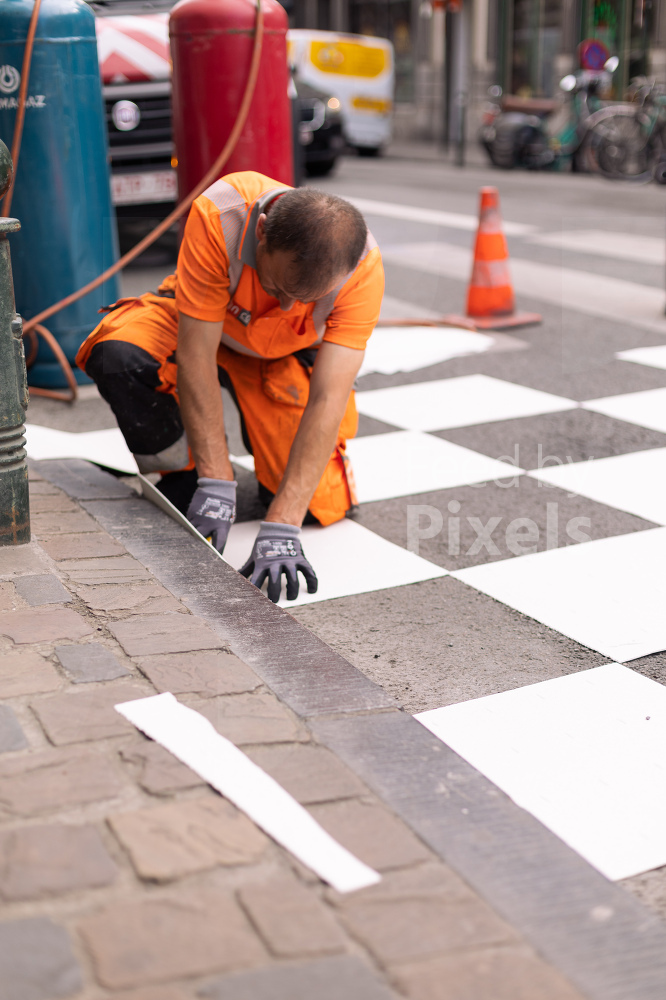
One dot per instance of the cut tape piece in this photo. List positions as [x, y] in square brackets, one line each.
[653, 357]
[105, 448]
[633, 482]
[646, 408]
[608, 594]
[583, 753]
[394, 349]
[405, 463]
[347, 558]
[192, 739]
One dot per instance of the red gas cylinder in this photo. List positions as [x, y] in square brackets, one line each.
[211, 49]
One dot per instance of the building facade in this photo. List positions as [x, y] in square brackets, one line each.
[448, 52]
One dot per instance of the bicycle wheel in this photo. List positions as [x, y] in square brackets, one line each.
[620, 144]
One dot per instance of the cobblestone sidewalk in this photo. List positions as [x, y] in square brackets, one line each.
[123, 875]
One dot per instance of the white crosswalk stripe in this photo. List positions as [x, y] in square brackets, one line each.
[623, 246]
[432, 216]
[592, 294]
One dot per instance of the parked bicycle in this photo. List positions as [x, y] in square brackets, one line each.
[628, 141]
[546, 134]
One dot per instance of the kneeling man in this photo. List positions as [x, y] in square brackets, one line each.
[275, 295]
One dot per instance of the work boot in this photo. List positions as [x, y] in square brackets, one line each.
[179, 487]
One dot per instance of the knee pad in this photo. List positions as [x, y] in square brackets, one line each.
[115, 357]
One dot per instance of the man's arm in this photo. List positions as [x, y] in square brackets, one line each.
[200, 396]
[332, 380]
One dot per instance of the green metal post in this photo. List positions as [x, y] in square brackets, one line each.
[14, 506]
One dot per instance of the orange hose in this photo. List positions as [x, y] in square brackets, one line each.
[466, 324]
[67, 397]
[23, 92]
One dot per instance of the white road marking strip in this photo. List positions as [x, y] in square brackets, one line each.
[434, 258]
[623, 246]
[432, 216]
[593, 294]
[399, 309]
[191, 738]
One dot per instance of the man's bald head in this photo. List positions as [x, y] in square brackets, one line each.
[323, 235]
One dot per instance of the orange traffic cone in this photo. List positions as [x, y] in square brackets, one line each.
[490, 298]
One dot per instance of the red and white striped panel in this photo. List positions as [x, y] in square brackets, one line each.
[133, 48]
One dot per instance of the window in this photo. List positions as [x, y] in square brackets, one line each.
[389, 19]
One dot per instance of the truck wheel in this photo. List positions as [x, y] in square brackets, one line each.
[320, 168]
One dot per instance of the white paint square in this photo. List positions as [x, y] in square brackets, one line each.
[404, 463]
[585, 754]
[106, 447]
[409, 348]
[653, 357]
[347, 558]
[646, 408]
[457, 402]
[634, 482]
[608, 594]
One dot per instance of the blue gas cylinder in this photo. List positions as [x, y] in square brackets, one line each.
[62, 194]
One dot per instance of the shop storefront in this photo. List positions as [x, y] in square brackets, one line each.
[538, 39]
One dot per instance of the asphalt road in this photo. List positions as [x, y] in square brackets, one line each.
[440, 642]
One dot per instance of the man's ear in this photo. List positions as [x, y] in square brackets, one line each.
[259, 231]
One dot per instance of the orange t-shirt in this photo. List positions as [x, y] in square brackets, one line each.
[217, 280]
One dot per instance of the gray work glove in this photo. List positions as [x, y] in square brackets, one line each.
[212, 509]
[277, 550]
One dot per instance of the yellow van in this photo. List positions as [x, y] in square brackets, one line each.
[358, 70]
